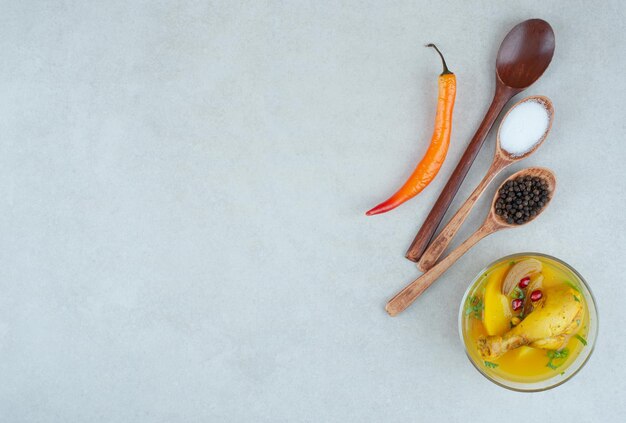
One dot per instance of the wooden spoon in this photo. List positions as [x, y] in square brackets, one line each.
[492, 223]
[501, 160]
[524, 55]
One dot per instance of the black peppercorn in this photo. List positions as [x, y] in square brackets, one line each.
[521, 199]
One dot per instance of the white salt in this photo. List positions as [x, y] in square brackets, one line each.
[523, 127]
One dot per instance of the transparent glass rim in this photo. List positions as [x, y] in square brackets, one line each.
[519, 386]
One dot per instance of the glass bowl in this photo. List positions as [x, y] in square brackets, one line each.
[573, 366]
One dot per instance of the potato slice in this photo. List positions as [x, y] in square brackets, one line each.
[497, 313]
[524, 351]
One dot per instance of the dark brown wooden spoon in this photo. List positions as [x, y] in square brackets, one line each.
[524, 55]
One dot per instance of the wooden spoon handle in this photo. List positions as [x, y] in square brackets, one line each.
[440, 243]
[422, 239]
[405, 298]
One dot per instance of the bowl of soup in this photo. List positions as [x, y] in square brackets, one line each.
[528, 322]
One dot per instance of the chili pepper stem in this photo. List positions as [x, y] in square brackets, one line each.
[445, 66]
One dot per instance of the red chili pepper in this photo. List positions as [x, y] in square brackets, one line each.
[428, 168]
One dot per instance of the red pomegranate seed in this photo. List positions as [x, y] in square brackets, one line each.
[536, 295]
[523, 283]
[517, 304]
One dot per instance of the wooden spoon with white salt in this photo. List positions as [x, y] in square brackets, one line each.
[523, 129]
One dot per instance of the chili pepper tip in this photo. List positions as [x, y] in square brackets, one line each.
[382, 208]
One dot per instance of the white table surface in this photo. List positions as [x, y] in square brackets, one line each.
[183, 188]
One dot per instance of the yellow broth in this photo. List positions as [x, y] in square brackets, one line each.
[524, 364]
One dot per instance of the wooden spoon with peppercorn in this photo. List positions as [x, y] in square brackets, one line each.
[500, 217]
[532, 115]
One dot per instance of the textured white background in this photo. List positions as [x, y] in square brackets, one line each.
[183, 188]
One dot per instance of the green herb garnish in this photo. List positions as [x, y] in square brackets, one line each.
[518, 293]
[491, 365]
[571, 284]
[512, 263]
[576, 299]
[559, 356]
[581, 339]
[474, 306]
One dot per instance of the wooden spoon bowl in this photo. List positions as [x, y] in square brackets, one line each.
[547, 104]
[525, 53]
[539, 172]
